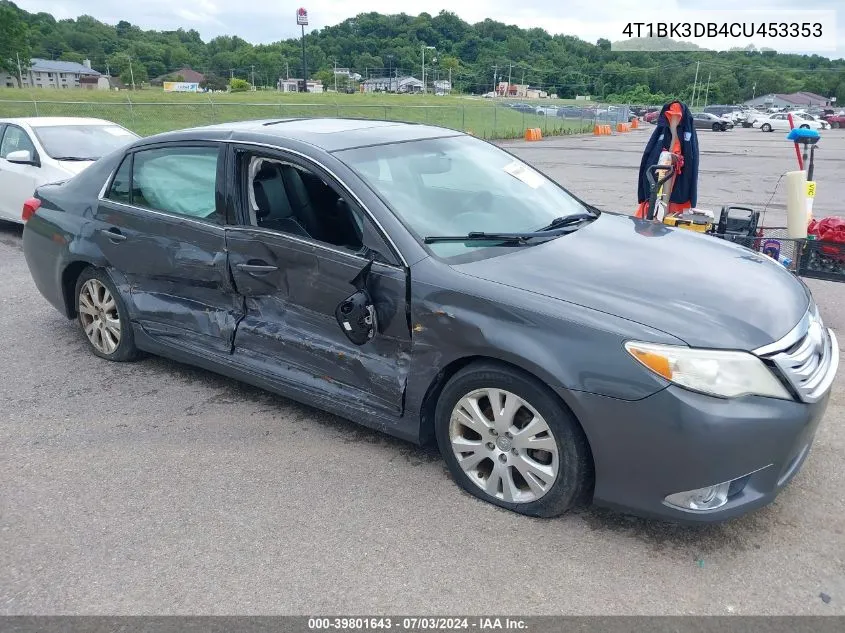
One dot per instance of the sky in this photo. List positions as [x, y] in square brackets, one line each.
[269, 22]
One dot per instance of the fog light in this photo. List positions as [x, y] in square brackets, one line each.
[708, 498]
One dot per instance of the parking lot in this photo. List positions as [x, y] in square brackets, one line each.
[153, 487]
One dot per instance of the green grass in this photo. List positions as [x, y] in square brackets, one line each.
[152, 111]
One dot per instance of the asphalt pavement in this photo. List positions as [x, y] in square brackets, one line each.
[156, 488]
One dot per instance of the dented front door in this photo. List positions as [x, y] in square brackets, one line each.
[292, 289]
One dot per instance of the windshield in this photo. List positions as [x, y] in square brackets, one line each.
[458, 185]
[82, 142]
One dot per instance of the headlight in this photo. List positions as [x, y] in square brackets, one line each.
[721, 373]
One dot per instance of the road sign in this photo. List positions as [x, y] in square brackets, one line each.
[302, 16]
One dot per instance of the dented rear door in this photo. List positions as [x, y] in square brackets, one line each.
[174, 261]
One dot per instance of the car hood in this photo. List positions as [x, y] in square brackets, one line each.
[700, 289]
[74, 167]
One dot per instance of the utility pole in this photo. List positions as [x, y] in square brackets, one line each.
[335, 75]
[131, 72]
[694, 84]
[231, 73]
[754, 91]
[252, 74]
[707, 90]
[108, 70]
[287, 69]
[20, 74]
[523, 76]
[510, 70]
[495, 79]
[450, 79]
[423, 64]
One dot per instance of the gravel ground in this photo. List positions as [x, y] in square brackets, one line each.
[157, 488]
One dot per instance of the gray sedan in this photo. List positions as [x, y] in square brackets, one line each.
[431, 285]
[708, 121]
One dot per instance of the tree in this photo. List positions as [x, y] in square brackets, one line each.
[13, 39]
[214, 82]
[239, 85]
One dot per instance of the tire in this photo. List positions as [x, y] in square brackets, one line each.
[103, 317]
[766, 127]
[716, 127]
[564, 471]
[834, 125]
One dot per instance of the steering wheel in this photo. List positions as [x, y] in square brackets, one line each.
[471, 206]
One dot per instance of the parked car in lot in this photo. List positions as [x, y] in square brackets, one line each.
[40, 150]
[707, 121]
[429, 284]
[780, 121]
[836, 120]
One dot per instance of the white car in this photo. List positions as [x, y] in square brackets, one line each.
[780, 121]
[40, 150]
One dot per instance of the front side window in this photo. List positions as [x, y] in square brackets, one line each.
[15, 140]
[180, 180]
[458, 185]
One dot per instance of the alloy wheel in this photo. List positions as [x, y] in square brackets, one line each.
[504, 445]
[99, 317]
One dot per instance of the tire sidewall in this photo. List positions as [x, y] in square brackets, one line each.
[126, 348]
[574, 464]
[766, 127]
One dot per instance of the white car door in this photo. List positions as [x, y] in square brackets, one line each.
[17, 182]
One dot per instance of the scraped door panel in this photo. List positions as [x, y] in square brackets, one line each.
[291, 291]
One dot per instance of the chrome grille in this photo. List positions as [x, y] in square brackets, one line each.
[807, 357]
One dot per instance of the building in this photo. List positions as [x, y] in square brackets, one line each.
[292, 85]
[793, 100]
[504, 89]
[45, 73]
[392, 84]
[188, 75]
[347, 73]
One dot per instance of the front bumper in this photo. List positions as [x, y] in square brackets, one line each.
[677, 440]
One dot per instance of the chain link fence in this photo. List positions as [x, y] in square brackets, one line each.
[497, 119]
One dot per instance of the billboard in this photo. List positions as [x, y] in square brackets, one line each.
[302, 16]
[180, 86]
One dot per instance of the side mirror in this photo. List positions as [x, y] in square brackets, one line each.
[21, 157]
[356, 316]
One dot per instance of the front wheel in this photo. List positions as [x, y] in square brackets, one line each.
[103, 316]
[509, 441]
[716, 127]
[766, 127]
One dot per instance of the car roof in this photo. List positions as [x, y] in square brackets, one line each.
[53, 121]
[327, 134]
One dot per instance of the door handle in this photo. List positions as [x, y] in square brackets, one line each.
[113, 234]
[257, 269]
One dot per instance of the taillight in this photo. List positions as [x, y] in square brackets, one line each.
[29, 208]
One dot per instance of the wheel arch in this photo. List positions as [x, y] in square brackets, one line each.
[435, 388]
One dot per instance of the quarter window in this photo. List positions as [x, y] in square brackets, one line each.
[179, 180]
[120, 186]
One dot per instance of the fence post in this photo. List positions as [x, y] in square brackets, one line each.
[131, 110]
[385, 113]
[35, 103]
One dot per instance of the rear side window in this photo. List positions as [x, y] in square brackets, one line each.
[119, 191]
[177, 180]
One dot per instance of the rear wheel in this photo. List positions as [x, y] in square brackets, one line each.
[834, 124]
[766, 127]
[103, 316]
[507, 440]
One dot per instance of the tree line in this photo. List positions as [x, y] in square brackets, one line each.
[373, 45]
